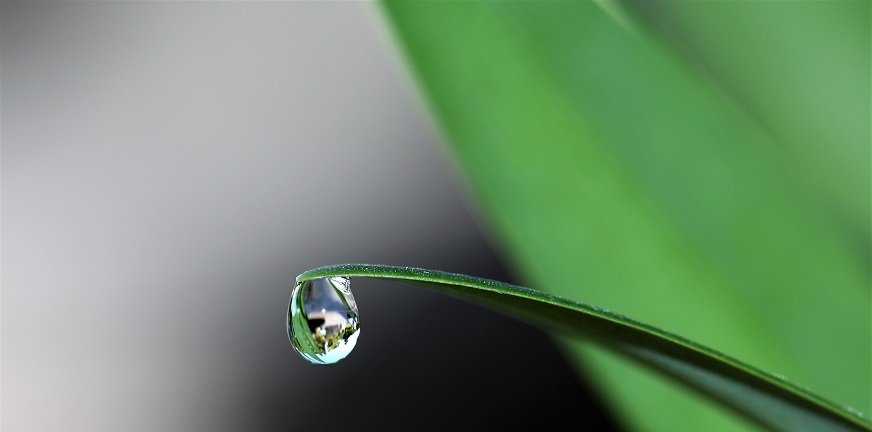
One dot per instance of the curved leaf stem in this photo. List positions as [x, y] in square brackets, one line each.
[763, 397]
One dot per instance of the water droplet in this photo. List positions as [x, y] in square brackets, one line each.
[854, 411]
[323, 323]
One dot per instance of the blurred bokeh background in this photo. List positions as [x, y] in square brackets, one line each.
[169, 168]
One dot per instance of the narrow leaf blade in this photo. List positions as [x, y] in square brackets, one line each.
[764, 398]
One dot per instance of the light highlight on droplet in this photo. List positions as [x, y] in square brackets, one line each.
[323, 323]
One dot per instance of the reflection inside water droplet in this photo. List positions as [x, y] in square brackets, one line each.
[323, 322]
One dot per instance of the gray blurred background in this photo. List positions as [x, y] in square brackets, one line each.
[169, 168]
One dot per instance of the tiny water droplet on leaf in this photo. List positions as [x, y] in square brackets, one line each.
[323, 323]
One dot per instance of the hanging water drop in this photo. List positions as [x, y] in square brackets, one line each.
[323, 323]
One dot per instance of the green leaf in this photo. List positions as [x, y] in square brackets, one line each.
[602, 159]
[762, 397]
[802, 68]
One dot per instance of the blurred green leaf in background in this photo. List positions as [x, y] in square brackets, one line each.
[700, 166]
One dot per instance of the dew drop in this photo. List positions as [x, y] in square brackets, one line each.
[323, 323]
[854, 411]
